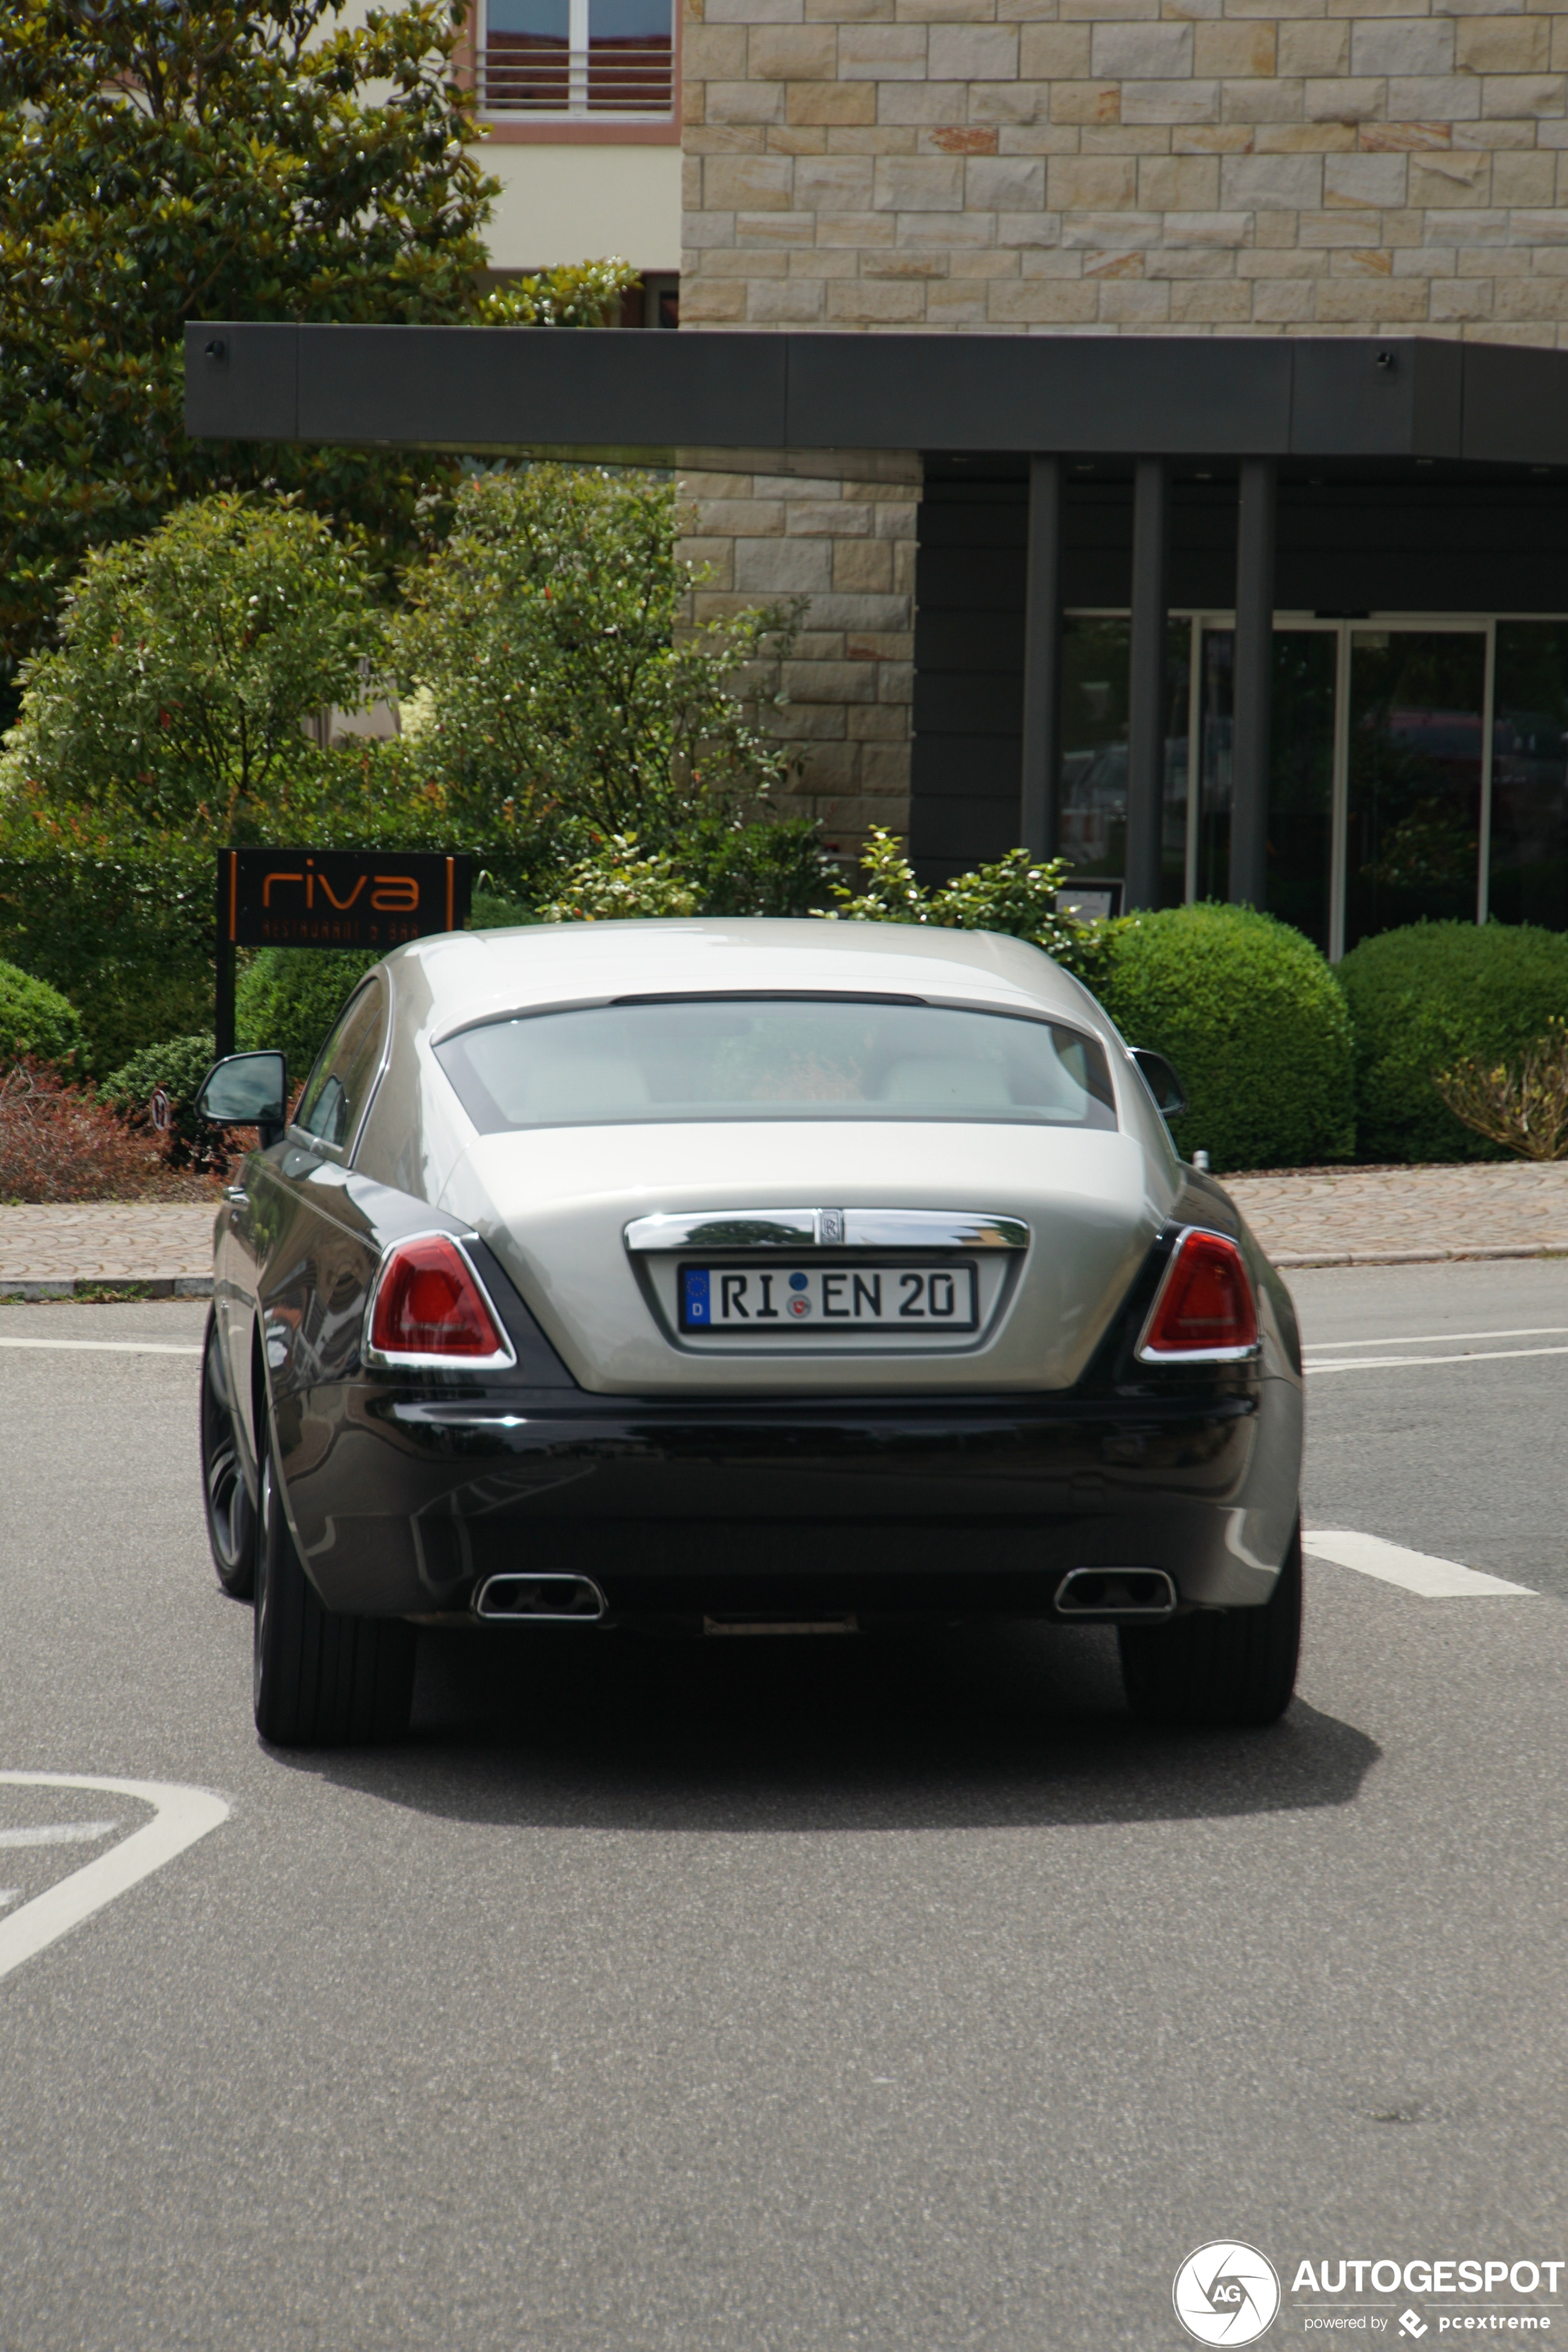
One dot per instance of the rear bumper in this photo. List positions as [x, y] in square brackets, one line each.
[402, 1502]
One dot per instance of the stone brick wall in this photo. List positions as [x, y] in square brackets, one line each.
[1145, 165]
[847, 542]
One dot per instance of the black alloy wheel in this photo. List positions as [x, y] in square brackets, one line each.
[320, 1680]
[231, 1514]
[1224, 1669]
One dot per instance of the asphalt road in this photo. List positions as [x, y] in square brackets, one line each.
[760, 1995]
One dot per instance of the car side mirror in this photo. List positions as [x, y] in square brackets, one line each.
[247, 1090]
[1160, 1077]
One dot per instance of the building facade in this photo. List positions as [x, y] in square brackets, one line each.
[1149, 168]
[1216, 630]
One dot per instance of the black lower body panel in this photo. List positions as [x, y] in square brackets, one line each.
[403, 1501]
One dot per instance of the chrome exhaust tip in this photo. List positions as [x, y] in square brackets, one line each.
[1116, 1592]
[518, 1600]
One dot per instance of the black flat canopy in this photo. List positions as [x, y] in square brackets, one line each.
[639, 393]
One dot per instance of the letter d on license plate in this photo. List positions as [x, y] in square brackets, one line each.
[827, 1299]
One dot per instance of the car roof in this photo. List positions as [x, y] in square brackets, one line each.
[474, 974]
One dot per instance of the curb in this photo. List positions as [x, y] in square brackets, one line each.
[1294, 1264]
[14, 1288]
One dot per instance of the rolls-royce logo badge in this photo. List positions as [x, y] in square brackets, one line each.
[829, 1226]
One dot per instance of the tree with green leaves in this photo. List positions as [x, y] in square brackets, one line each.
[175, 708]
[165, 159]
[552, 692]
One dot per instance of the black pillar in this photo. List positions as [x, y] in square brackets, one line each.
[1146, 684]
[1042, 659]
[1254, 673]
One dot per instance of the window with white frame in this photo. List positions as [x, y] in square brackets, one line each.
[575, 58]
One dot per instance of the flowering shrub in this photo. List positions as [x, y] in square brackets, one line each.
[58, 1142]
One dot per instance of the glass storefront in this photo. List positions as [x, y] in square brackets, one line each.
[1528, 860]
[1419, 768]
[1093, 807]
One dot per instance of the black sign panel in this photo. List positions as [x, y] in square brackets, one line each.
[339, 897]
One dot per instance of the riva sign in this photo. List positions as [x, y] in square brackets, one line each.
[338, 897]
[371, 899]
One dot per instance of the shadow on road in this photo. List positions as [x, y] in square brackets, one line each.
[1003, 1725]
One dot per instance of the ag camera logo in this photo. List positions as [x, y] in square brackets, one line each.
[1226, 2293]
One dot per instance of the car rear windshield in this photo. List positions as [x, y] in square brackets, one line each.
[763, 1057]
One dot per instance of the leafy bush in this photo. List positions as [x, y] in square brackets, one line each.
[716, 865]
[547, 688]
[177, 1067]
[1430, 996]
[1522, 1106]
[288, 998]
[1015, 894]
[1254, 1022]
[58, 1143]
[620, 881]
[494, 910]
[128, 940]
[35, 1019]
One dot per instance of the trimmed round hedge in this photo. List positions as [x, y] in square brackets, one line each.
[35, 1019]
[1431, 995]
[1254, 1022]
[288, 998]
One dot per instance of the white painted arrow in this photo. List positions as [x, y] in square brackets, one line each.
[181, 1816]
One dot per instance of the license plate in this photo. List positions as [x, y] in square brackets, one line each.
[827, 1300]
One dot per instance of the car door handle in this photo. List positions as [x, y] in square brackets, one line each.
[238, 1195]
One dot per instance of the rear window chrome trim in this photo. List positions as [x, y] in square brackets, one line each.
[859, 1229]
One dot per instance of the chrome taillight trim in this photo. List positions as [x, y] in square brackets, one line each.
[1148, 1355]
[729, 1229]
[399, 1359]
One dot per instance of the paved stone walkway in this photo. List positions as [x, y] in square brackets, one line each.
[166, 1246]
[1307, 1216]
[1381, 1216]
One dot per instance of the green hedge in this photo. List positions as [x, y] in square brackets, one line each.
[35, 1019]
[128, 940]
[288, 998]
[1430, 995]
[1255, 1023]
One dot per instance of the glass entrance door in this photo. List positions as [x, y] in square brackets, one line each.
[1301, 780]
[1413, 817]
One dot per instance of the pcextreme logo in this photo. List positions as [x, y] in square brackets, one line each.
[1226, 2293]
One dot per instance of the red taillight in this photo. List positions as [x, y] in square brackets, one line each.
[1204, 1306]
[427, 1303]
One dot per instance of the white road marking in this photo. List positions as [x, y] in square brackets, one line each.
[60, 1834]
[1392, 1563]
[1438, 1339]
[1467, 1356]
[8, 1895]
[181, 1816]
[107, 1347]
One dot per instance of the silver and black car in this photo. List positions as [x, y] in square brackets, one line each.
[739, 1275]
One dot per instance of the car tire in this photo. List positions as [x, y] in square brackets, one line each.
[231, 1514]
[1229, 1669]
[320, 1680]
